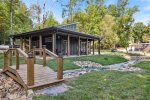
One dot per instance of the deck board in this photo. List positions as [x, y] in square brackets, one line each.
[42, 75]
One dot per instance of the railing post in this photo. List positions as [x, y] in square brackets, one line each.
[17, 59]
[34, 54]
[10, 56]
[44, 55]
[60, 67]
[30, 69]
[5, 60]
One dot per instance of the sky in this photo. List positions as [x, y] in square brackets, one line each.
[142, 16]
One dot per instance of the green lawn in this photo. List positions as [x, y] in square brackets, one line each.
[144, 64]
[68, 62]
[134, 54]
[1, 60]
[13, 60]
[102, 59]
[106, 85]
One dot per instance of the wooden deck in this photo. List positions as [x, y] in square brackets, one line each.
[43, 76]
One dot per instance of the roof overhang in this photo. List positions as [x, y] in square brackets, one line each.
[54, 30]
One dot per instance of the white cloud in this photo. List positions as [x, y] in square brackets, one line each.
[145, 18]
[147, 8]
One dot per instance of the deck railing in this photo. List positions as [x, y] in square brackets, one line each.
[59, 59]
[28, 59]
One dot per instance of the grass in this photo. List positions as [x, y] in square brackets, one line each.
[106, 85]
[144, 64]
[13, 60]
[134, 54]
[102, 59]
[1, 60]
[68, 62]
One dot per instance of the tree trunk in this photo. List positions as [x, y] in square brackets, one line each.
[38, 7]
[44, 16]
[11, 17]
[126, 50]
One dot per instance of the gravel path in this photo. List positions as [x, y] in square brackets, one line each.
[88, 66]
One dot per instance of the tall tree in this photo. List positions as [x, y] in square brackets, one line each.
[20, 17]
[124, 22]
[11, 17]
[49, 20]
[139, 29]
[107, 30]
[35, 11]
[69, 8]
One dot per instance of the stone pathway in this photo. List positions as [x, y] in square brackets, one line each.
[88, 66]
[54, 90]
[126, 66]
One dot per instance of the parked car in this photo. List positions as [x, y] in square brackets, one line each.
[113, 50]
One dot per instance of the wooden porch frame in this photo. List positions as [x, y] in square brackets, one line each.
[79, 44]
[68, 45]
[93, 48]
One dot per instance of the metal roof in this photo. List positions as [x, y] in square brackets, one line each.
[54, 29]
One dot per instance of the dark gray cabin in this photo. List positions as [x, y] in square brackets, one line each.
[63, 39]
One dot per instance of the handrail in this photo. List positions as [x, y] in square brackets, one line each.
[29, 61]
[22, 52]
[6, 52]
[38, 49]
[51, 53]
[59, 60]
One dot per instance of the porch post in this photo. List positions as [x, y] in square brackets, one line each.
[30, 43]
[21, 43]
[25, 43]
[14, 40]
[93, 48]
[90, 47]
[54, 42]
[87, 46]
[11, 41]
[68, 43]
[79, 46]
[40, 43]
[99, 46]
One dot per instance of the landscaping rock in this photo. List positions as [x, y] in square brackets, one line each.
[87, 64]
[9, 89]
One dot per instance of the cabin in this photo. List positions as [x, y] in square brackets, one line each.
[53, 41]
[61, 40]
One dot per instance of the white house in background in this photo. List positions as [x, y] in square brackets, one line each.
[139, 47]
